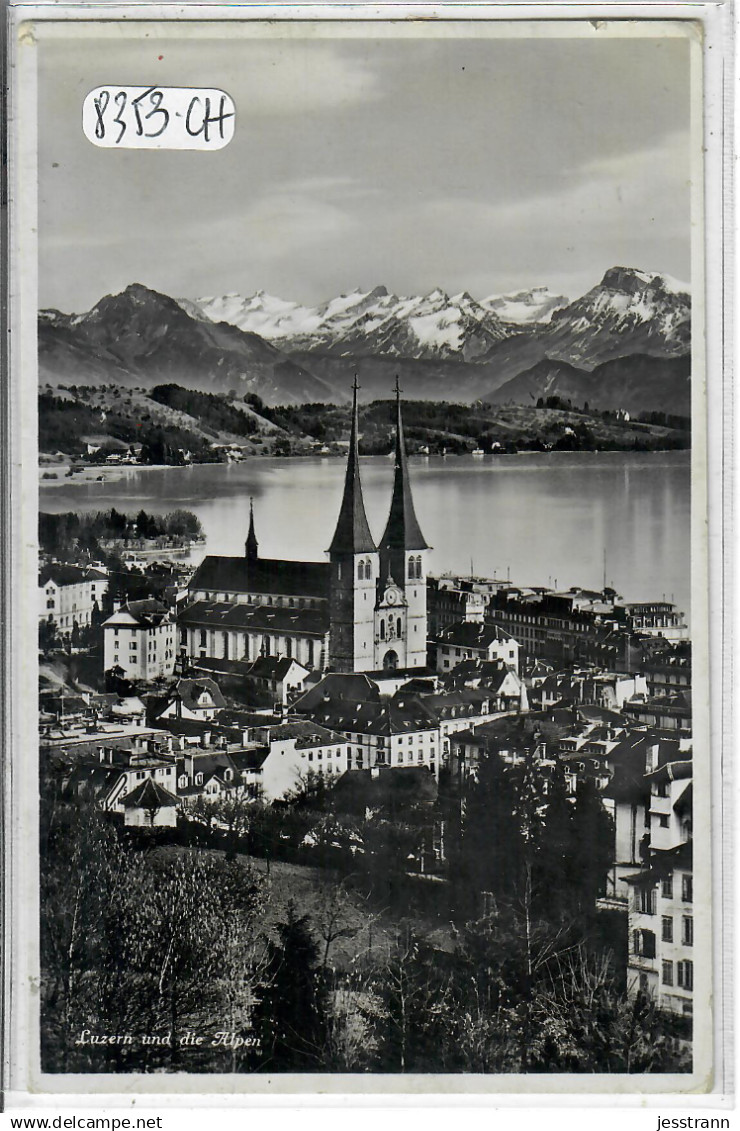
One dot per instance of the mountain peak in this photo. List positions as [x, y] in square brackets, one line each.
[631, 280]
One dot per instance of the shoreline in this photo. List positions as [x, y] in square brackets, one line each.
[115, 474]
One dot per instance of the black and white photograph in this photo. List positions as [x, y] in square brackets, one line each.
[368, 449]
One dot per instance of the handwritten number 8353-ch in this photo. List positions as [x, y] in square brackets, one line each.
[156, 117]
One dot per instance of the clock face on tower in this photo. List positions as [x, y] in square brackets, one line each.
[392, 596]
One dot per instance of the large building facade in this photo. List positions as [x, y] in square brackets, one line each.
[365, 609]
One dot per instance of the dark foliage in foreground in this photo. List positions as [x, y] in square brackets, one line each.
[160, 942]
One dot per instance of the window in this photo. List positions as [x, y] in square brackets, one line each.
[687, 931]
[203, 638]
[666, 887]
[288, 647]
[687, 889]
[368, 569]
[399, 627]
[685, 974]
[412, 570]
[361, 571]
[667, 973]
[646, 901]
[382, 630]
[666, 933]
[643, 944]
[663, 822]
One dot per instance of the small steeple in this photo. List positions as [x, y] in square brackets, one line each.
[251, 548]
[402, 531]
[352, 535]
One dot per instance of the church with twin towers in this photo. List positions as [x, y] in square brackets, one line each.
[362, 610]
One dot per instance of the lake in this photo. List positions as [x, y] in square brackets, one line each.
[545, 518]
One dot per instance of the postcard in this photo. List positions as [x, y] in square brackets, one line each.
[358, 611]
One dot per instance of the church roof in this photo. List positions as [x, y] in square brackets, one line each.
[262, 618]
[352, 534]
[265, 575]
[402, 531]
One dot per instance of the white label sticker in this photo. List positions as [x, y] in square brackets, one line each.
[158, 117]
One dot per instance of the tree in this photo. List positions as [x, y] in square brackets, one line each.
[584, 1024]
[134, 942]
[293, 1015]
[184, 524]
[48, 635]
[489, 853]
[593, 845]
[233, 813]
[553, 865]
[336, 917]
[416, 1008]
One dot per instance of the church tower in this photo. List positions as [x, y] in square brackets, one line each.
[403, 571]
[354, 572]
[251, 550]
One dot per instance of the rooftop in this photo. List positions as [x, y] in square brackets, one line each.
[261, 575]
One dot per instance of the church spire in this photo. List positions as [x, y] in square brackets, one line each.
[251, 546]
[402, 531]
[352, 535]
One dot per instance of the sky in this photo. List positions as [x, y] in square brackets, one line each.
[484, 165]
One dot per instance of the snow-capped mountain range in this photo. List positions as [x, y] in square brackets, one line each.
[431, 325]
[442, 347]
[652, 308]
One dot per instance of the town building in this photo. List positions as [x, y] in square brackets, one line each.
[69, 595]
[189, 699]
[293, 752]
[151, 806]
[653, 618]
[117, 772]
[451, 600]
[279, 678]
[139, 638]
[474, 640]
[364, 609]
[671, 713]
[661, 915]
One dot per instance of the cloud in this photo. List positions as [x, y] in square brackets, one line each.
[282, 77]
